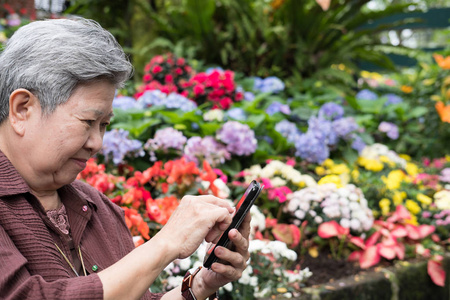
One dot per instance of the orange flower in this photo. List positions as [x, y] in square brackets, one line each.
[443, 111]
[406, 89]
[276, 3]
[161, 209]
[442, 62]
[135, 223]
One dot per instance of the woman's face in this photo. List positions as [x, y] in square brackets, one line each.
[61, 143]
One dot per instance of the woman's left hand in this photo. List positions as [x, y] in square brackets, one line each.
[235, 262]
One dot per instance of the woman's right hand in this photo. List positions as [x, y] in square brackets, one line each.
[197, 218]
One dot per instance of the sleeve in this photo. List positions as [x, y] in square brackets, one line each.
[17, 283]
[121, 231]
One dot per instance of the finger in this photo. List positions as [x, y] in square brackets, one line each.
[216, 201]
[223, 220]
[229, 257]
[240, 242]
[228, 271]
[244, 229]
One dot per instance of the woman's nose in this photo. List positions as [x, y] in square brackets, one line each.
[95, 141]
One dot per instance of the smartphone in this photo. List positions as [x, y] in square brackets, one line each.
[242, 208]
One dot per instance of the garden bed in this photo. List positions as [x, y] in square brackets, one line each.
[402, 281]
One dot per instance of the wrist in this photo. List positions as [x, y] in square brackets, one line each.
[194, 287]
[199, 288]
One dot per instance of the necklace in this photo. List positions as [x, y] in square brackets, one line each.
[70, 264]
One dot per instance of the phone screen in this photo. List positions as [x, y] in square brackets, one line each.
[242, 208]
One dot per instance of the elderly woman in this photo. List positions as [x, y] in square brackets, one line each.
[60, 238]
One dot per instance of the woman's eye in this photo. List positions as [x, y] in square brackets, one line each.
[104, 125]
[89, 122]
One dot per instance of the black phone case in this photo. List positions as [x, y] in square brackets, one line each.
[236, 222]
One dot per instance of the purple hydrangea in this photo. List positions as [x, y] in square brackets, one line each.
[125, 103]
[178, 101]
[287, 129]
[118, 145]
[331, 111]
[392, 99]
[270, 84]
[323, 130]
[357, 143]
[309, 148]
[276, 106]
[171, 101]
[165, 139]
[206, 148]
[249, 96]
[344, 127]
[236, 114]
[390, 129]
[152, 98]
[366, 95]
[239, 138]
[210, 70]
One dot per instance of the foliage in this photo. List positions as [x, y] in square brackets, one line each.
[415, 100]
[241, 35]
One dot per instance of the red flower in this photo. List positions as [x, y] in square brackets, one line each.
[161, 209]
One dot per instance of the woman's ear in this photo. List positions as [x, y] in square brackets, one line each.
[22, 103]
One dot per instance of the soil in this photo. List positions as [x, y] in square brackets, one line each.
[325, 269]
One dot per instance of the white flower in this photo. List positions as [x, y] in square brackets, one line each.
[247, 279]
[185, 264]
[300, 214]
[224, 191]
[263, 293]
[318, 219]
[278, 181]
[214, 115]
[228, 287]
[355, 224]
[174, 281]
[442, 199]
[345, 223]
[343, 201]
[258, 220]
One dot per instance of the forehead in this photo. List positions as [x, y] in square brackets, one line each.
[95, 97]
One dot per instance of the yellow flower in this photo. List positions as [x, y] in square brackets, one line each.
[320, 171]
[386, 160]
[385, 205]
[282, 290]
[371, 164]
[398, 197]
[412, 220]
[447, 157]
[394, 179]
[412, 206]
[328, 163]
[339, 169]
[424, 199]
[412, 169]
[331, 179]
[355, 174]
[345, 178]
[405, 157]
[365, 74]
[406, 89]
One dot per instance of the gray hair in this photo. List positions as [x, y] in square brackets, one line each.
[51, 58]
